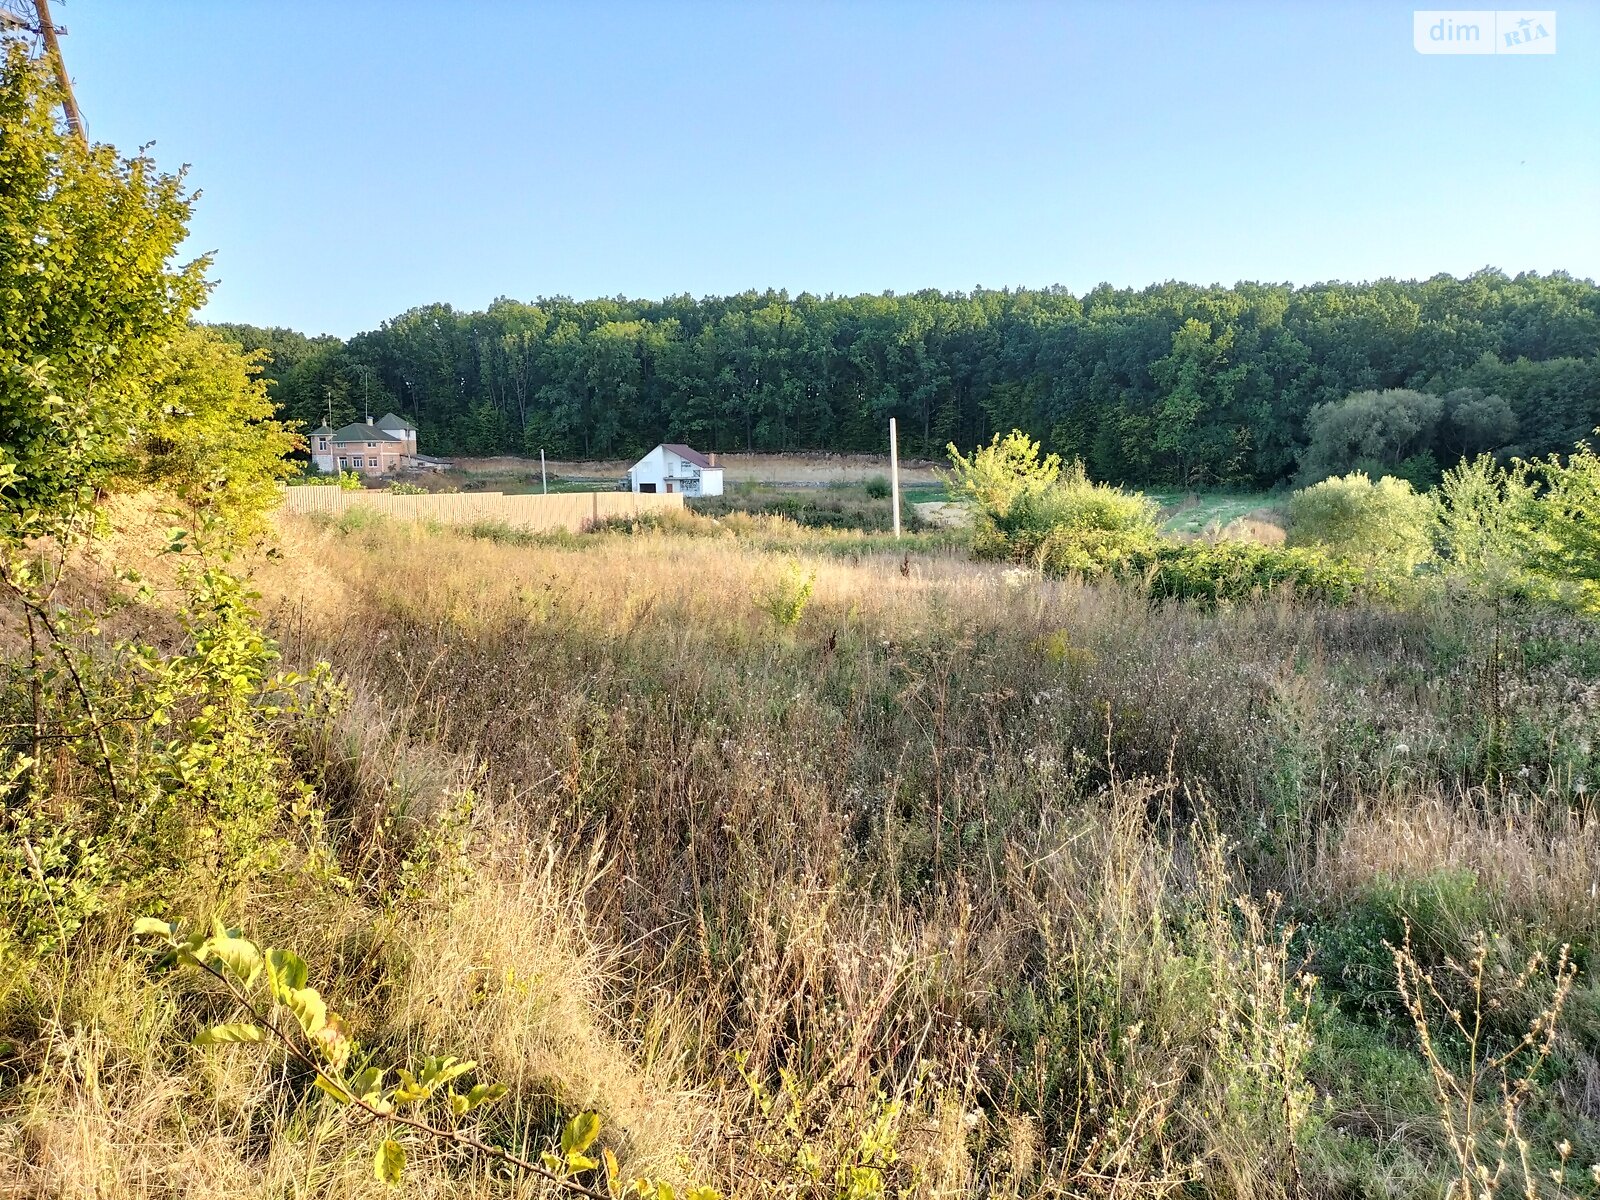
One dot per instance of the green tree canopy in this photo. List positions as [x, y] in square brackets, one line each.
[102, 379]
[1171, 384]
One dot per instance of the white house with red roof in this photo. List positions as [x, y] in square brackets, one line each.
[674, 468]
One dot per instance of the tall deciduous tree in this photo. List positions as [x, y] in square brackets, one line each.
[102, 379]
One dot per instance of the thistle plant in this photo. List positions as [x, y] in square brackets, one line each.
[275, 1003]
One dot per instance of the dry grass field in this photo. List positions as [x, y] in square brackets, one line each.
[821, 869]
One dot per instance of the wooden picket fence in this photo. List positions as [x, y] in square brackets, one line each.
[569, 510]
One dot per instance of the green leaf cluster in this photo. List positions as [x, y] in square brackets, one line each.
[104, 383]
[269, 985]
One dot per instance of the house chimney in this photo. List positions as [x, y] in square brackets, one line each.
[712, 459]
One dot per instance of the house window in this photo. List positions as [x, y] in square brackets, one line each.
[372, 462]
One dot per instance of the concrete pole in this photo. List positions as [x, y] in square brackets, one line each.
[52, 49]
[544, 480]
[894, 474]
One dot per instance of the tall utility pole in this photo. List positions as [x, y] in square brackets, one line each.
[894, 474]
[33, 17]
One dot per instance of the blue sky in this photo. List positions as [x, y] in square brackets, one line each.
[358, 158]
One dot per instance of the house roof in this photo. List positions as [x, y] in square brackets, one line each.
[360, 431]
[321, 431]
[688, 454]
[391, 420]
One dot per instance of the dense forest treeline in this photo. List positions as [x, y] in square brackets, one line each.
[1170, 384]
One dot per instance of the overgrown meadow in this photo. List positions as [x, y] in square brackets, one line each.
[940, 878]
[749, 855]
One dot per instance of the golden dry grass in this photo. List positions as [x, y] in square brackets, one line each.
[956, 855]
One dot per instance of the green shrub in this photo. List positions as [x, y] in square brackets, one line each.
[1032, 508]
[1227, 572]
[345, 481]
[784, 596]
[173, 754]
[1389, 431]
[1383, 524]
[1565, 522]
[878, 488]
[1480, 515]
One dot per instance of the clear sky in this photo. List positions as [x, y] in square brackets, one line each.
[358, 158]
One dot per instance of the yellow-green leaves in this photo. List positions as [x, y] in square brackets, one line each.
[580, 1134]
[265, 985]
[323, 1084]
[237, 955]
[480, 1093]
[324, 1030]
[662, 1190]
[389, 1163]
[220, 1034]
[155, 927]
[367, 1087]
[286, 970]
[613, 1170]
[286, 976]
[435, 1073]
[307, 1006]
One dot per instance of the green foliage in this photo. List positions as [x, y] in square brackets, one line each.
[1481, 514]
[1475, 422]
[1234, 572]
[1170, 383]
[399, 488]
[1384, 524]
[263, 984]
[348, 481]
[1369, 432]
[1006, 475]
[863, 1162]
[785, 594]
[1031, 510]
[1028, 506]
[174, 751]
[103, 382]
[878, 488]
[1564, 522]
[211, 440]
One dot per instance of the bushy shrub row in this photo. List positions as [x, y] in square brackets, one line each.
[1529, 532]
[1054, 518]
[1526, 531]
[1220, 572]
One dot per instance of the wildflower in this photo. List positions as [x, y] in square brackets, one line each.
[1402, 748]
[1580, 788]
